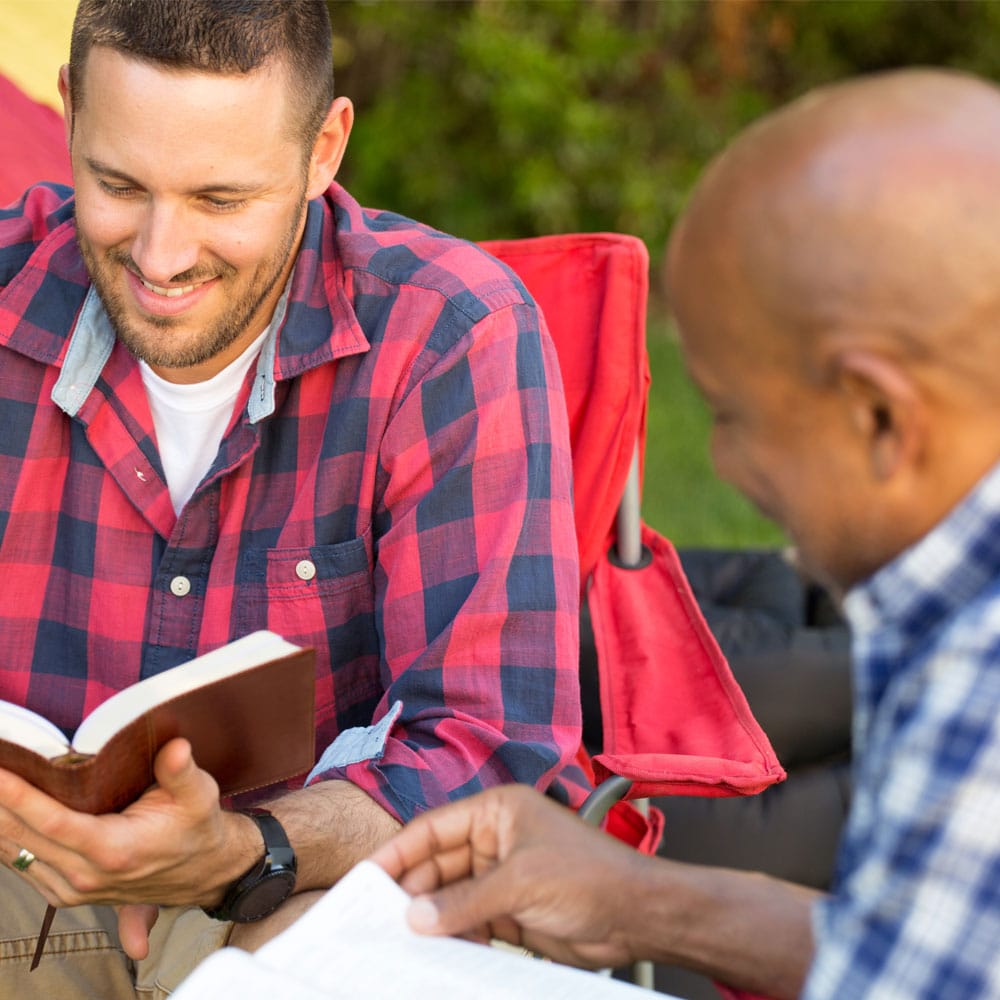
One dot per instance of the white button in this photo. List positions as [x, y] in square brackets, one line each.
[305, 570]
[180, 586]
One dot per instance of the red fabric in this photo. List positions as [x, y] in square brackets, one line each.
[592, 289]
[675, 720]
[32, 143]
[641, 830]
[78, 616]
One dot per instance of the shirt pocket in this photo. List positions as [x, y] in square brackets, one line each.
[320, 596]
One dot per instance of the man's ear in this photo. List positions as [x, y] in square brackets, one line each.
[885, 406]
[329, 147]
[67, 100]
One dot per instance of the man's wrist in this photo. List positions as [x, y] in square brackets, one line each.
[242, 847]
[259, 889]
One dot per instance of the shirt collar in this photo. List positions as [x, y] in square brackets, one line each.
[94, 338]
[938, 574]
[899, 607]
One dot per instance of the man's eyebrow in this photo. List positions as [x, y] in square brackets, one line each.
[228, 187]
[98, 167]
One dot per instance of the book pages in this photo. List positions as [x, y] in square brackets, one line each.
[30, 730]
[129, 703]
[355, 942]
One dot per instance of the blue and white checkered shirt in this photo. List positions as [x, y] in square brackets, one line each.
[915, 907]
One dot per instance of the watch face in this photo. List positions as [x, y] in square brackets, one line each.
[263, 897]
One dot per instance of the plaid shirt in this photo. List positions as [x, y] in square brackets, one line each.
[915, 910]
[393, 489]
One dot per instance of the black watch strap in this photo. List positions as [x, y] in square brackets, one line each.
[268, 883]
[277, 850]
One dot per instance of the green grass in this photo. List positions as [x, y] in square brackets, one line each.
[681, 495]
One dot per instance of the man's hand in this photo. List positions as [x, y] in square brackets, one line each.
[510, 864]
[135, 921]
[173, 845]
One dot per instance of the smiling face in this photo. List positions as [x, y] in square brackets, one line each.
[191, 193]
[786, 444]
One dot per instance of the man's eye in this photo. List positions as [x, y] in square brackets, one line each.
[223, 204]
[116, 190]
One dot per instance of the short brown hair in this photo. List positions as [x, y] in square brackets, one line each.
[216, 36]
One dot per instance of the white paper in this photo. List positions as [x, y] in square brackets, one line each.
[234, 973]
[355, 942]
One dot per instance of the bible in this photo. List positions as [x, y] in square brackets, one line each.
[247, 708]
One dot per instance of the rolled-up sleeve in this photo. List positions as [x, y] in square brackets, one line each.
[476, 576]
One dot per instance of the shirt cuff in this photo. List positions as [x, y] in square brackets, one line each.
[353, 746]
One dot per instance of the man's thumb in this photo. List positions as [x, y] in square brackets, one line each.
[460, 908]
[174, 766]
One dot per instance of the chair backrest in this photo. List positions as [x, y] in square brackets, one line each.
[592, 289]
[673, 719]
[32, 143]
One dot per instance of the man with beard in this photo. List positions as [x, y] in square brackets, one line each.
[232, 399]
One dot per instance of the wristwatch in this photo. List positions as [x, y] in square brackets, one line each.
[261, 890]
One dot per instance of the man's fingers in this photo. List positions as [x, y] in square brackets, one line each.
[30, 818]
[135, 921]
[441, 870]
[179, 777]
[174, 765]
[462, 906]
[428, 837]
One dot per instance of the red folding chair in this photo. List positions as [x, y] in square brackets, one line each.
[674, 719]
[32, 143]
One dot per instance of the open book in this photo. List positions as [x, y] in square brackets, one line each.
[246, 708]
[355, 942]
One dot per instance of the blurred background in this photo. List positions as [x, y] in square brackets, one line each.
[504, 118]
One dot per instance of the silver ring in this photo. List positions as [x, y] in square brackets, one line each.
[23, 860]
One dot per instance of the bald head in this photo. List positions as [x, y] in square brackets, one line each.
[836, 282]
[867, 208]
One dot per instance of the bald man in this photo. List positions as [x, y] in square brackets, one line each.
[836, 281]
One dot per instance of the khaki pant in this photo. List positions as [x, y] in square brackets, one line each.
[83, 959]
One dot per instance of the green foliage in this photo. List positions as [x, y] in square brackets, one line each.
[681, 496]
[519, 117]
[504, 118]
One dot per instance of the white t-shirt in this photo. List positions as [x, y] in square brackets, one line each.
[190, 420]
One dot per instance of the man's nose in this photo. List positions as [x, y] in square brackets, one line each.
[166, 243]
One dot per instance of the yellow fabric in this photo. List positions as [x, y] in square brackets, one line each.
[34, 43]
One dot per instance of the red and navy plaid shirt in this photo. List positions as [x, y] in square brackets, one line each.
[393, 489]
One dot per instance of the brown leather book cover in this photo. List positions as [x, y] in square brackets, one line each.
[248, 730]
